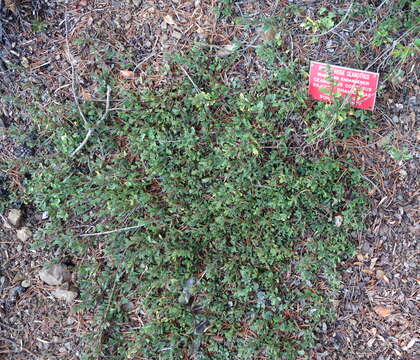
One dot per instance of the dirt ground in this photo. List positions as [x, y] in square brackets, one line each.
[378, 305]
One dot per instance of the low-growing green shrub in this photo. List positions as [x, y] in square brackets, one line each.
[237, 244]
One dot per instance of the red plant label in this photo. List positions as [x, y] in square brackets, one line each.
[355, 87]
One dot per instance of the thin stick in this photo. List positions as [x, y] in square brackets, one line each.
[83, 143]
[338, 24]
[108, 95]
[191, 80]
[371, 182]
[144, 60]
[390, 48]
[113, 231]
[90, 130]
[73, 74]
[76, 100]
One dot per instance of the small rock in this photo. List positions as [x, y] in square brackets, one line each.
[338, 220]
[2, 124]
[399, 107]
[380, 274]
[55, 275]
[70, 321]
[169, 20]
[67, 295]
[25, 62]
[24, 234]
[15, 217]
[177, 35]
[56, 339]
[25, 283]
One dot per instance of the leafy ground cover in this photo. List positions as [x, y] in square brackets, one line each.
[206, 202]
[223, 199]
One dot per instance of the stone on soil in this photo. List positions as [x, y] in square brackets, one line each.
[55, 275]
[25, 283]
[15, 217]
[23, 234]
[67, 295]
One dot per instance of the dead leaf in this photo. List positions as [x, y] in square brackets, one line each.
[370, 342]
[372, 191]
[83, 3]
[127, 74]
[367, 271]
[373, 262]
[385, 140]
[200, 30]
[169, 20]
[382, 311]
[410, 344]
[218, 338]
[89, 21]
[360, 257]
[267, 35]
[380, 275]
[86, 95]
[226, 50]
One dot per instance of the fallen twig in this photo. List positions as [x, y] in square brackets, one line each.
[336, 26]
[191, 80]
[387, 52]
[371, 182]
[76, 100]
[90, 130]
[113, 231]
